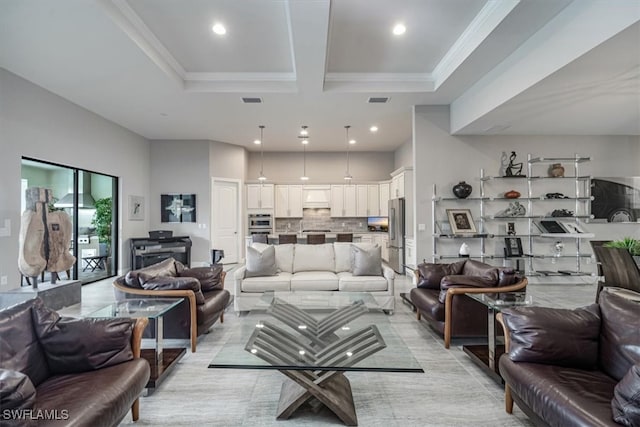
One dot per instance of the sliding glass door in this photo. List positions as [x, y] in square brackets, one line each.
[90, 200]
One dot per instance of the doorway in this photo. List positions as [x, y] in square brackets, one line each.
[90, 200]
[225, 218]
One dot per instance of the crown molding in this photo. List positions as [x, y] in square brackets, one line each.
[484, 23]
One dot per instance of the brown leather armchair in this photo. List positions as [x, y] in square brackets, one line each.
[440, 295]
[574, 367]
[202, 287]
[67, 366]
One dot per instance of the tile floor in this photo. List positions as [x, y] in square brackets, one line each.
[452, 392]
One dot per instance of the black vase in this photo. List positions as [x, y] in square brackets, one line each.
[462, 190]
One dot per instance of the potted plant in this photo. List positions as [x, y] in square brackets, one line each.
[102, 222]
[628, 243]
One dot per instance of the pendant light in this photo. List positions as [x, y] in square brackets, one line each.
[261, 177]
[347, 175]
[305, 141]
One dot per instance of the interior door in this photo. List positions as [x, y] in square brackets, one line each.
[226, 228]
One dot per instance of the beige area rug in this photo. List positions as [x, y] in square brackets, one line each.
[451, 392]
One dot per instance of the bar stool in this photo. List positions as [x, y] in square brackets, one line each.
[259, 238]
[315, 239]
[287, 238]
[344, 237]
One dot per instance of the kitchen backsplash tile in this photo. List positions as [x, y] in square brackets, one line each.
[320, 219]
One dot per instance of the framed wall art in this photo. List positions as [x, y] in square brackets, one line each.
[615, 199]
[178, 208]
[136, 208]
[512, 247]
[461, 221]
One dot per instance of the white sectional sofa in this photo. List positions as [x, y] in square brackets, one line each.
[302, 267]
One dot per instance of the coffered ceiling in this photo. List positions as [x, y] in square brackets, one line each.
[505, 66]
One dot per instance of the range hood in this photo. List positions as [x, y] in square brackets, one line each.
[85, 200]
[316, 196]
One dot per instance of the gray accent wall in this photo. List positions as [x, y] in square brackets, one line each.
[39, 124]
[444, 160]
[186, 167]
[322, 167]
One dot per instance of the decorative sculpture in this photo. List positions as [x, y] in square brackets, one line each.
[514, 170]
[45, 238]
[515, 209]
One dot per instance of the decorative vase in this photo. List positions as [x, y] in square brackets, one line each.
[556, 170]
[464, 250]
[462, 190]
[513, 194]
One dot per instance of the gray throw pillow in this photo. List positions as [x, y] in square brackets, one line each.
[366, 262]
[261, 263]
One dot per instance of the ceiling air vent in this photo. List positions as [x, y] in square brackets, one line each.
[378, 100]
[247, 100]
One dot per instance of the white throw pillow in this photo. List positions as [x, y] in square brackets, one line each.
[261, 263]
[343, 256]
[284, 257]
[366, 262]
[314, 258]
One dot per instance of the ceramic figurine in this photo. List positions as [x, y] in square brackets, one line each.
[556, 170]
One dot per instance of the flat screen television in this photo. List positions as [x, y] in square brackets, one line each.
[378, 223]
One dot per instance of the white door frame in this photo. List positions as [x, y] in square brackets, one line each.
[240, 211]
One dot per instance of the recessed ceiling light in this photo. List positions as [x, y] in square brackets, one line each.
[257, 142]
[352, 141]
[304, 131]
[219, 29]
[373, 128]
[304, 178]
[399, 29]
[305, 141]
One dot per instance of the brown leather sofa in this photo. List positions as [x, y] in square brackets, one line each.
[440, 295]
[202, 287]
[63, 371]
[574, 367]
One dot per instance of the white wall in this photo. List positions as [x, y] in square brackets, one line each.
[444, 160]
[323, 167]
[227, 161]
[403, 156]
[36, 123]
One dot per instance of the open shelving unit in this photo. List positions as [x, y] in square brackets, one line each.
[538, 258]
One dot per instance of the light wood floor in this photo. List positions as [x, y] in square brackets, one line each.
[452, 391]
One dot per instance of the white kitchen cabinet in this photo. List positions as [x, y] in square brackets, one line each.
[397, 186]
[260, 196]
[288, 201]
[343, 201]
[373, 205]
[368, 200]
[362, 196]
[384, 198]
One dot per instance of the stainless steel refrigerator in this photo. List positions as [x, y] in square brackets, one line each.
[396, 235]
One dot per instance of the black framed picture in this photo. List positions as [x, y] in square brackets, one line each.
[178, 208]
[461, 221]
[512, 247]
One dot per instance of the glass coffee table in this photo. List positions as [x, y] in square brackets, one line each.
[487, 355]
[313, 339]
[161, 360]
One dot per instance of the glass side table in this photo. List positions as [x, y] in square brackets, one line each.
[487, 355]
[161, 360]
